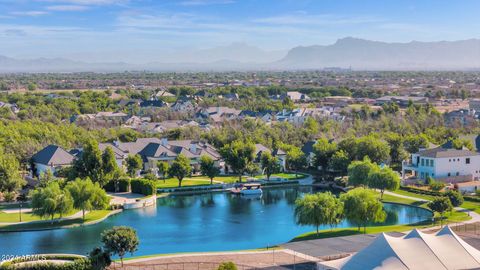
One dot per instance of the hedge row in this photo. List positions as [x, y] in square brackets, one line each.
[471, 199]
[79, 264]
[123, 185]
[142, 186]
[422, 191]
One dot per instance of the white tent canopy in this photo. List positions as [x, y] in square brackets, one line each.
[416, 250]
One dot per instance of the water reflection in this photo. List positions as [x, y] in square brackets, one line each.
[208, 222]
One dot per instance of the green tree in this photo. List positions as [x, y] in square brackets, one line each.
[32, 86]
[397, 150]
[162, 167]
[384, 179]
[339, 161]
[440, 205]
[120, 240]
[375, 149]
[180, 168]
[99, 258]
[414, 142]
[110, 169]
[358, 172]
[10, 179]
[318, 209]
[208, 168]
[50, 200]
[296, 159]
[87, 195]
[269, 164]
[455, 197]
[323, 150]
[238, 155]
[361, 207]
[134, 164]
[227, 266]
[436, 185]
[90, 162]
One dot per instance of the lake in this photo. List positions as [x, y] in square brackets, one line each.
[207, 222]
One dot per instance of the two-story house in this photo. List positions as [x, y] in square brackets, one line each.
[443, 164]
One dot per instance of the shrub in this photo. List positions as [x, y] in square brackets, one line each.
[227, 266]
[436, 186]
[78, 264]
[455, 197]
[9, 196]
[123, 185]
[143, 186]
[150, 176]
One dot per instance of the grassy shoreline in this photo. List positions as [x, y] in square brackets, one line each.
[91, 218]
[454, 216]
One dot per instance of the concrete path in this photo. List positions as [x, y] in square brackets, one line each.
[16, 210]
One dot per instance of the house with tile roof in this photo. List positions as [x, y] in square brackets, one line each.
[51, 158]
[153, 150]
[443, 163]
[280, 154]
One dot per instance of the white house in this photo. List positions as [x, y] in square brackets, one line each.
[51, 158]
[444, 164]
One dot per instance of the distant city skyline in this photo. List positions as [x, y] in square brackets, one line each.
[140, 31]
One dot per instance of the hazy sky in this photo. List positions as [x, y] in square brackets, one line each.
[142, 30]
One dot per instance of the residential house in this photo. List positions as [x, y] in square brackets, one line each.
[296, 96]
[309, 152]
[153, 150]
[280, 154]
[163, 93]
[51, 158]
[129, 102]
[183, 105]
[462, 117]
[218, 114]
[444, 164]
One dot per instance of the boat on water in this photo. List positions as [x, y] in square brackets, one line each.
[247, 189]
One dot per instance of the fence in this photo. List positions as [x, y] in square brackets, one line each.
[470, 228]
[207, 266]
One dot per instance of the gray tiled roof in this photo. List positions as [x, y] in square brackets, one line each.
[441, 152]
[53, 155]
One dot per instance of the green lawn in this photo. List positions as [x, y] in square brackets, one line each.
[89, 217]
[15, 217]
[351, 231]
[454, 216]
[203, 180]
[415, 195]
[472, 206]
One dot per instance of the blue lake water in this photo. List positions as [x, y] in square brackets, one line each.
[208, 222]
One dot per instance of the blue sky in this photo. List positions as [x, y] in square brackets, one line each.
[142, 30]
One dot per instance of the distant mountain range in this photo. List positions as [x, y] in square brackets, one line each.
[365, 54]
[358, 54]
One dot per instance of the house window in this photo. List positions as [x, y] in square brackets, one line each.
[458, 173]
[423, 162]
[467, 160]
[448, 174]
[450, 160]
[431, 162]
